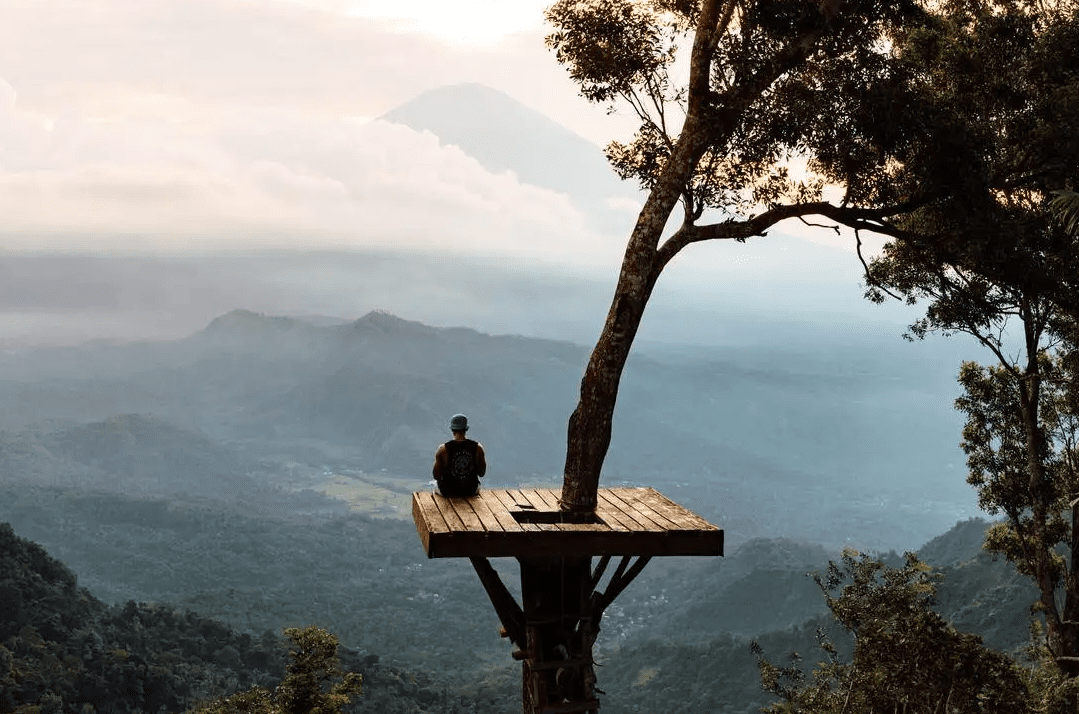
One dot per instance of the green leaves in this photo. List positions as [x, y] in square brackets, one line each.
[996, 443]
[906, 657]
[777, 82]
[612, 46]
[1065, 207]
[314, 682]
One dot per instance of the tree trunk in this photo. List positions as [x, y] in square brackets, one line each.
[1062, 634]
[589, 433]
[1028, 398]
[705, 126]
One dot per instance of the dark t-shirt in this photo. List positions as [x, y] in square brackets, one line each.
[462, 472]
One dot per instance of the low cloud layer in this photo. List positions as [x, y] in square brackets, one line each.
[130, 128]
[267, 178]
[215, 123]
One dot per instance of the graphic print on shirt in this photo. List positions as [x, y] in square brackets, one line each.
[462, 464]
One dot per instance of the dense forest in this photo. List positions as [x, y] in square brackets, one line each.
[63, 650]
[421, 632]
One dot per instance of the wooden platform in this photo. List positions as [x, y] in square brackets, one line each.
[525, 523]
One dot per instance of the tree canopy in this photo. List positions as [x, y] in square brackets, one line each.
[314, 682]
[945, 126]
[906, 657]
[998, 259]
[906, 119]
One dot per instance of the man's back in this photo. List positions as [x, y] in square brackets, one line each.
[459, 465]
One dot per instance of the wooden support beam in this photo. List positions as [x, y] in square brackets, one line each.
[598, 573]
[621, 569]
[621, 579]
[507, 609]
[558, 620]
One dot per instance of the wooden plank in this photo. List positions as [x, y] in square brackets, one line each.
[682, 517]
[490, 516]
[527, 497]
[662, 507]
[583, 527]
[613, 516]
[539, 503]
[463, 508]
[490, 523]
[484, 527]
[535, 498]
[509, 505]
[494, 501]
[638, 500]
[641, 511]
[455, 539]
[445, 508]
[628, 511]
[521, 499]
[554, 543]
[550, 497]
[425, 510]
[422, 526]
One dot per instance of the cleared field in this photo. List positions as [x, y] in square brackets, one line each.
[382, 495]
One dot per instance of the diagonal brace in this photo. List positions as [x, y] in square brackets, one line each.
[598, 573]
[509, 612]
[621, 579]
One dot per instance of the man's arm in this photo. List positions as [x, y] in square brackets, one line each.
[440, 459]
[481, 461]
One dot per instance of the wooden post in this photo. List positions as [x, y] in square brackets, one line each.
[556, 625]
[557, 622]
[557, 673]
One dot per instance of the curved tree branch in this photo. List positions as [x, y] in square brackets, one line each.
[871, 219]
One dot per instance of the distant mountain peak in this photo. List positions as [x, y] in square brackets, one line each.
[503, 134]
[381, 321]
[245, 323]
[467, 91]
[451, 108]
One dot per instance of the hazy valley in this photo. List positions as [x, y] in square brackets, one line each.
[255, 465]
[259, 471]
[355, 410]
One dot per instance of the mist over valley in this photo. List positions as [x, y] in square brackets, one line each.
[238, 431]
[747, 439]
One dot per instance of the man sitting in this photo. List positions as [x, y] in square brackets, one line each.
[459, 463]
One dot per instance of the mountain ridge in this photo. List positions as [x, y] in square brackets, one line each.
[292, 400]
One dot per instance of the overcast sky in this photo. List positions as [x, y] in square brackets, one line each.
[188, 123]
[163, 126]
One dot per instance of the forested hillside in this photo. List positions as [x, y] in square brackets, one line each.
[682, 628]
[752, 441]
[63, 650]
[258, 473]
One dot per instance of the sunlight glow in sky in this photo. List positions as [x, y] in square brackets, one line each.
[194, 124]
[461, 22]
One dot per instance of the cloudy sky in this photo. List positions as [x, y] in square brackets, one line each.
[194, 123]
[165, 127]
